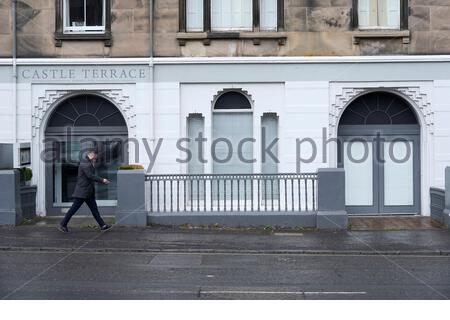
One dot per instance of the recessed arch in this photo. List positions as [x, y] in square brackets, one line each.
[378, 108]
[378, 128]
[79, 122]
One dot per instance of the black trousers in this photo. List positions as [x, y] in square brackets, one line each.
[77, 202]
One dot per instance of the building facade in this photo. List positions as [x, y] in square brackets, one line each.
[132, 78]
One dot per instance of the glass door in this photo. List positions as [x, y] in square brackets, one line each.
[111, 155]
[382, 174]
[361, 172]
[400, 175]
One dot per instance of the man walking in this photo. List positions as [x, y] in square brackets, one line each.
[85, 192]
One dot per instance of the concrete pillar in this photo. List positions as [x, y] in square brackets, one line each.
[131, 198]
[10, 206]
[331, 199]
[447, 198]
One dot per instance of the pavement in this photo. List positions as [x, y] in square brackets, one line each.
[39, 262]
[157, 239]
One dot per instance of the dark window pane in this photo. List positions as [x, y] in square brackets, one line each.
[378, 117]
[76, 13]
[86, 111]
[385, 107]
[94, 12]
[232, 100]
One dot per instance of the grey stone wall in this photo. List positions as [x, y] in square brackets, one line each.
[130, 26]
[5, 29]
[313, 28]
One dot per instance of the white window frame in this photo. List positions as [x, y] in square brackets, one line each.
[378, 27]
[83, 29]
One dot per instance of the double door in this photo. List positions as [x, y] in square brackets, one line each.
[382, 173]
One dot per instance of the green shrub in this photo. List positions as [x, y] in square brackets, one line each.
[25, 174]
[131, 167]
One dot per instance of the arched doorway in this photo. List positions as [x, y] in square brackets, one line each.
[379, 147]
[77, 124]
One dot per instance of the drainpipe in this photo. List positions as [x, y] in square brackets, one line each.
[152, 73]
[14, 79]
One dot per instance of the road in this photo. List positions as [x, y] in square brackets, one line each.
[120, 275]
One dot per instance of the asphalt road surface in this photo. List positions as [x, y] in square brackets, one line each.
[111, 275]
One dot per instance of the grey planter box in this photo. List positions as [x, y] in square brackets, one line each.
[131, 198]
[10, 202]
[28, 201]
[331, 199]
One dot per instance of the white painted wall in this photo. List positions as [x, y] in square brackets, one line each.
[303, 107]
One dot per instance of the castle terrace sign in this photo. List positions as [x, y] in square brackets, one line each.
[83, 73]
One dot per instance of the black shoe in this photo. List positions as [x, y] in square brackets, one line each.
[105, 227]
[63, 229]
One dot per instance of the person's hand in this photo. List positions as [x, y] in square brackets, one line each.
[106, 181]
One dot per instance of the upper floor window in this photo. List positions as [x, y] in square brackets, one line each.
[231, 15]
[84, 16]
[379, 14]
[194, 15]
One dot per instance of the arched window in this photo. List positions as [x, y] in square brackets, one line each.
[86, 111]
[232, 134]
[232, 100]
[378, 108]
[232, 124]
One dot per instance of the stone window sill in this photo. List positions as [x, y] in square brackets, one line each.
[381, 34]
[206, 37]
[60, 37]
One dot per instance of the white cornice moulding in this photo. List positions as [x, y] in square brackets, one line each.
[228, 60]
[302, 60]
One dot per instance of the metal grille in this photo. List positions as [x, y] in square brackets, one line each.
[231, 193]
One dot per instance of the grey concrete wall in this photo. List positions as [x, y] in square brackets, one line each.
[6, 155]
[131, 209]
[10, 205]
[236, 219]
[437, 204]
[446, 219]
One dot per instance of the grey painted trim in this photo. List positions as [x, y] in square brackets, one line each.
[371, 130]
